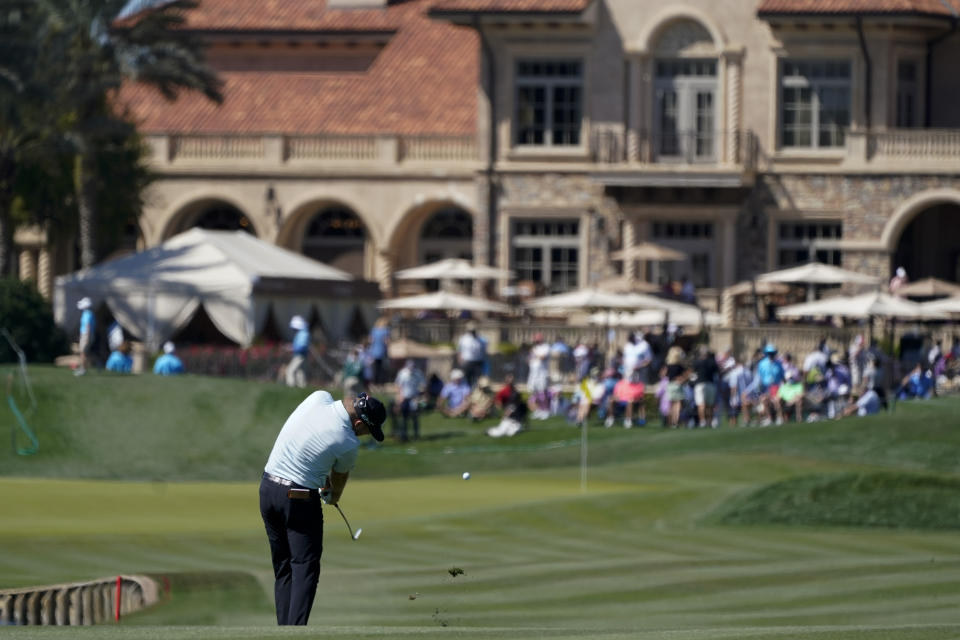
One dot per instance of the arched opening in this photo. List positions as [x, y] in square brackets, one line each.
[928, 246]
[336, 236]
[215, 215]
[686, 93]
[448, 233]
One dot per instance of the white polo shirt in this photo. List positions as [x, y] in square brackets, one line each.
[316, 438]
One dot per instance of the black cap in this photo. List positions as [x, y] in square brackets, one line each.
[373, 414]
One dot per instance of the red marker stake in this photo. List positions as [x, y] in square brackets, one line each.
[117, 614]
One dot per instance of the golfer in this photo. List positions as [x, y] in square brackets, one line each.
[310, 463]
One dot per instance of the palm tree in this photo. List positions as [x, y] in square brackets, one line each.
[18, 102]
[89, 49]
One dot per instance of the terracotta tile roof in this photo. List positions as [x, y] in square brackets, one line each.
[424, 81]
[511, 6]
[906, 7]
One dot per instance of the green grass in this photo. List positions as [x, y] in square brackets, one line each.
[895, 500]
[115, 489]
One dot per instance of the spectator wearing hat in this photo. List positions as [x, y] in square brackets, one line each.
[454, 398]
[120, 360]
[538, 378]
[294, 374]
[790, 396]
[88, 325]
[168, 364]
[481, 399]
[898, 280]
[770, 376]
[309, 465]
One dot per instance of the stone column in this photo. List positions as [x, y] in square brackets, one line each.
[644, 107]
[629, 241]
[45, 273]
[728, 252]
[733, 63]
[633, 108]
[384, 269]
[28, 263]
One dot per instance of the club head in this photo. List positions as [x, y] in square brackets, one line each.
[357, 533]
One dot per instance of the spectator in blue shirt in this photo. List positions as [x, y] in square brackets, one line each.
[770, 375]
[168, 364]
[379, 342]
[294, 374]
[120, 360]
[453, 398]
[87, 328]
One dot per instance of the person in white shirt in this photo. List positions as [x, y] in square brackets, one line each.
[471, 353]
[410, 384]
[309, 464]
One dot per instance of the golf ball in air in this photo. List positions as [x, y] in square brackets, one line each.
[466, 475]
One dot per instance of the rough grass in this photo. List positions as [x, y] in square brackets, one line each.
[895, 500]
[199, 428]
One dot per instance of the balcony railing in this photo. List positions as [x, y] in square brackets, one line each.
[704, 149]
[297, 150]
[904, 149]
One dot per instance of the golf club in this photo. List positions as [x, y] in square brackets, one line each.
[353, 534]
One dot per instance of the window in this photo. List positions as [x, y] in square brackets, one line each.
[685, 94]
[814, 103]
[801, 241]
[549, 102]
[907, 92]
[547, 252]
[696, 240]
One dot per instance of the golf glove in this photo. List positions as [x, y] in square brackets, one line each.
[325, 495]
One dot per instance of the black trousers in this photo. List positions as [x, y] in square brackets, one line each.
[295, 531]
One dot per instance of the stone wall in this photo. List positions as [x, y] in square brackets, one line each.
[78, 603]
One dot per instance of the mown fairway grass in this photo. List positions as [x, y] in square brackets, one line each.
[639, 555]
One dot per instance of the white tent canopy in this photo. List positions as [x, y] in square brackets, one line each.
[236, 277]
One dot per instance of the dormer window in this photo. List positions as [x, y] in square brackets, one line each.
[549, 102]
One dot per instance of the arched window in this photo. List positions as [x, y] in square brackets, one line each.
[685, 93]
[336, 236]
[217, 216]
[448, 233]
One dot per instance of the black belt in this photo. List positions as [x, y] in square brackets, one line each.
[284, 482]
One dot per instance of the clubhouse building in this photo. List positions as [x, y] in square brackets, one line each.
[545, 135]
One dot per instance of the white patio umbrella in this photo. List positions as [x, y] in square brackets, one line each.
[692, 317]
[453, 269]
[818, 273]
[929, 288]
[867, 305]
[814, 273]
[444, 301]
[649, 251]
[598, 299]
[947, 305]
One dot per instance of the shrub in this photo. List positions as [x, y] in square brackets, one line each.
[29, 319]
